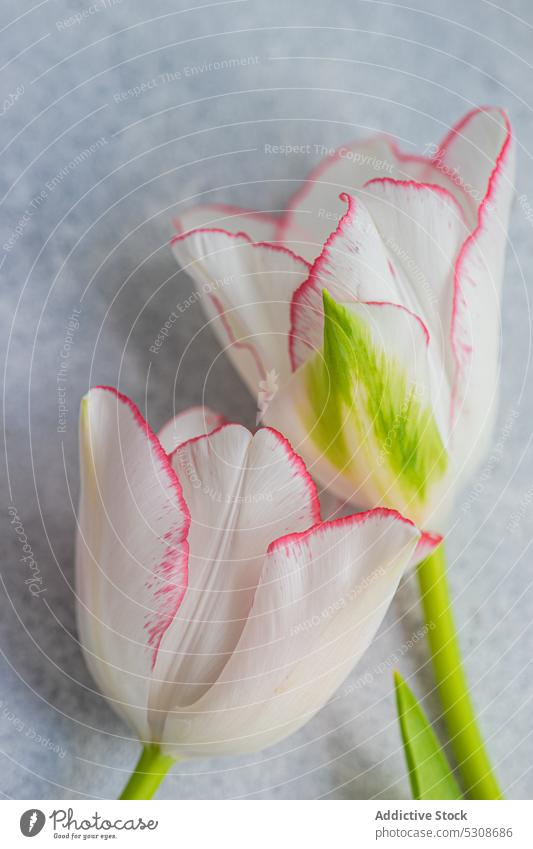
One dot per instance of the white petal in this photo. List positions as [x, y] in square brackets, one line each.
[259, 226]
[243, 491]
[475, 164]
[423, 229]
[321, 598]
[131, 553]
[194, 421]
[246, 290]
[483, 151]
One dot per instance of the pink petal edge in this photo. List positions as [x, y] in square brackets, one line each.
[240, 235]
[343, 521]
[175, 561]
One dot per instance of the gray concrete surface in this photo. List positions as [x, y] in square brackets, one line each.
[90, 232]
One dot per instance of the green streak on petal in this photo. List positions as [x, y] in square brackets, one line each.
[354, 386]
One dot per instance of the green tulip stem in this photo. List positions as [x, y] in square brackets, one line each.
[468, 747]
[148, 774]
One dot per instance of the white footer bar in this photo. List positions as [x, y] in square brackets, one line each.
[268, 825]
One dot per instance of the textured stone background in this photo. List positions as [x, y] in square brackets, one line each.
[98, 242]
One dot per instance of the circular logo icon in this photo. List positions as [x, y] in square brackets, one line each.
[32, 822]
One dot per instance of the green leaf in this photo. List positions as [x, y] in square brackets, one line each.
[429, 773]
